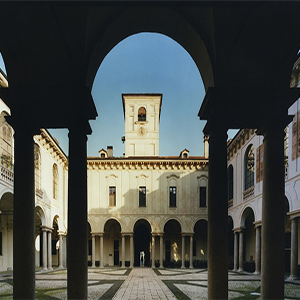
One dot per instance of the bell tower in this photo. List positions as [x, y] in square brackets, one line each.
[142, 115]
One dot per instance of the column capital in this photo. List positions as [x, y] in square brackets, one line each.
[62, 233]
[46, 228]
[128, 233]
[294, 214]
[239, 229]
[187, 234]
[257, 224]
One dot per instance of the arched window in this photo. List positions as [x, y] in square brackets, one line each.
[6, 143]
[230, 182]
[37, 167]
[142, 114]
[249, 167]
[55, 181]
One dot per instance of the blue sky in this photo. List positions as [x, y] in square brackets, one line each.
[147, 63]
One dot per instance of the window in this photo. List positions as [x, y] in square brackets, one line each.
[185, 155]
[202, 196]
[142, 196]
[230, 182]
[55, 181]
[6, 143]
[142, 114]
[112, 196]
[172, 196]
[249, 167]
[37, 167]
[102, 155]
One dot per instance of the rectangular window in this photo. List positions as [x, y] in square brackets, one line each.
[142, 196]
[203, 196]
[112, 196]
[172, 196]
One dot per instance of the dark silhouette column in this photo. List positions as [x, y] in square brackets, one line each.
[257, 249]
[24, 215]
[273, 213]
[77, 215]
[294, 249]
[217, 215]
[236, 251]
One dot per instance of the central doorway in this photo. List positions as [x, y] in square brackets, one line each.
[142, 242]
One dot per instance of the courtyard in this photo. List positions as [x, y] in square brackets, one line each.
[144, 283]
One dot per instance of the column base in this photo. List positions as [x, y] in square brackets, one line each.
[45, 269]
[183, 267]
[191, 267]
[293, 277]
[50, 269]
[256, 273]
[240, 270]
[60, 267]
[234, 270]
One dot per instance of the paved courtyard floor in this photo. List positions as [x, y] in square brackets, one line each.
[144, 283]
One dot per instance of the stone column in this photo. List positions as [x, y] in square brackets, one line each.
[241, 250]
[93, 251]
[44, 249]
[294, 249]
[236, 251]
[123, 250]
[50, 250]
[217, 214]
[24, 215]
[131, 251]
[258, 249]
[153, 251]
[273, 212]
[161, 251]
[60, 250]
[101, 251]
[191, 252]
[77, 215]
[182, 251]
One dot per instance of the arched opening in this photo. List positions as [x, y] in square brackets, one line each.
[142, 114]
[6, 231]
[287, 235]
[248, 240]
[112, 243]
[142, 243]
[200, 244]
[55, 242]
[39, 221]
[230, 243]
[89, 245]
[230, 183]
[172, 240]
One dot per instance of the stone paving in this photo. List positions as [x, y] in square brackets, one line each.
[145, 283]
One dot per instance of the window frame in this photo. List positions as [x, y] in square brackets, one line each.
[142, 114]
[201, 200]
[173, 196]
[112, 191]
[248, 174]
[142, 196]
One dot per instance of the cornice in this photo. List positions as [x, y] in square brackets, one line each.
[238, 141]
[48, 142]
[165, 165]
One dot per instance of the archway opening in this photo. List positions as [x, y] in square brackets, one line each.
[287, 237]
[142, 243]
[112, 243]
[230, 243]
[200, 244]
[55, 242]
[173, 246]
[249, 240]
[38, 237]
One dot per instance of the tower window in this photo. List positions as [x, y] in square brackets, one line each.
[172, 196]
[112, 196]
[142, 114]
[142, 196]
[203, 196]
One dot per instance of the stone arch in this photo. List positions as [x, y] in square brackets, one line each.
[39, 211]
[112, 218]
[245, 213]
[6, 201]
[166, 22]
[173, 218]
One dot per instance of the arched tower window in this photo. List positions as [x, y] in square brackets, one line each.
[142, 114]
[6, 143]
[249, 167]
[55, 181]
[37, 166]
[230, 182]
